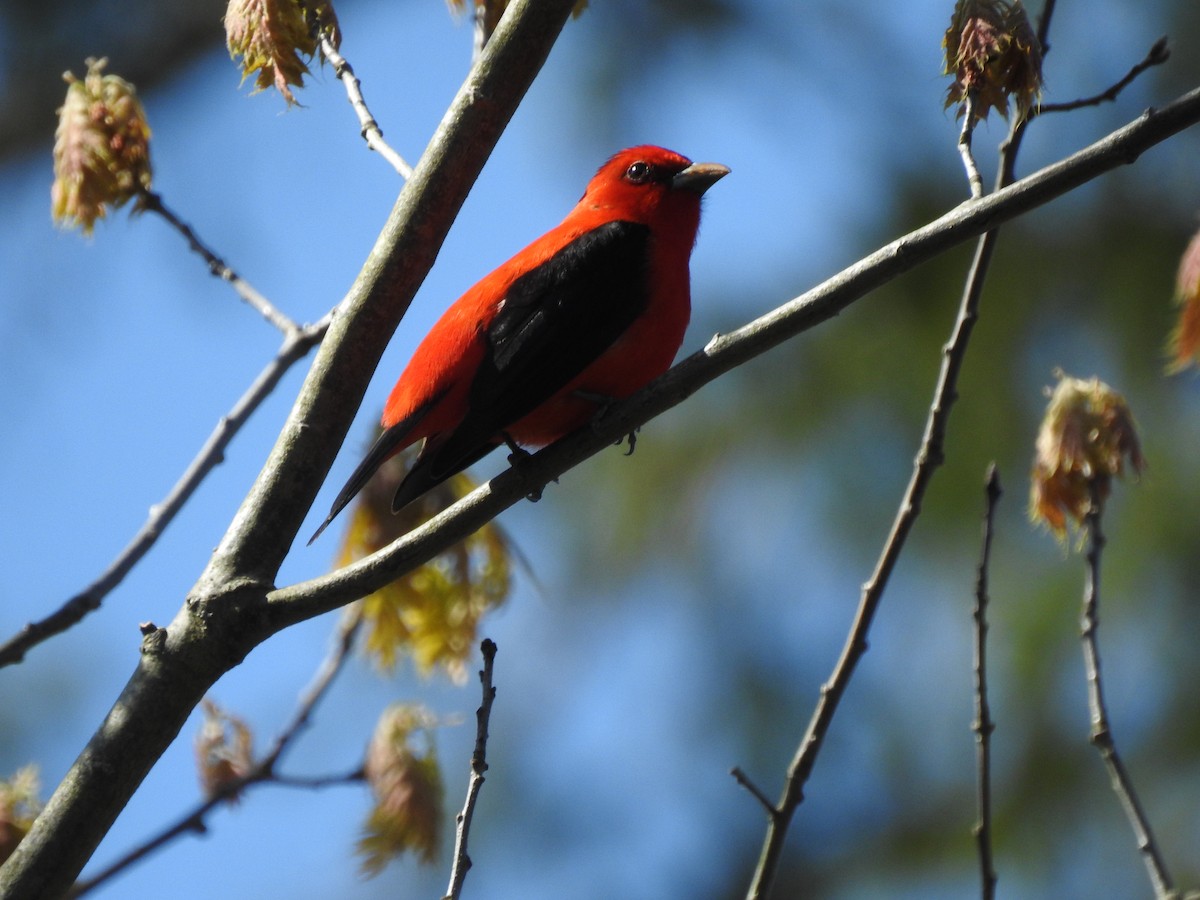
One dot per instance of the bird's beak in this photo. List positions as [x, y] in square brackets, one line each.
[699, 177]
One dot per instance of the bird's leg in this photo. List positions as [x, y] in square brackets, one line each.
[603, 402]
[517, 455]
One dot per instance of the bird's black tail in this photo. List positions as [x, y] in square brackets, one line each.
[384, 447]
[431, 470]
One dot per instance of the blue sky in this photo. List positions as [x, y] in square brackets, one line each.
[121, 354]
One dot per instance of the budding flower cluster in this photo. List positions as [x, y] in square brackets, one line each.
[101, 148]
[19, 806]
[271, 36]
[224, 749]
[1087, 434]
[407, 786]
[994, 54]
[1185, 340]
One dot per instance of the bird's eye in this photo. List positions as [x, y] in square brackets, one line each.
[638, 172]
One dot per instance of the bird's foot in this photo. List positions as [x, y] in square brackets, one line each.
[631, 438]
[603, 403]
[517, 455]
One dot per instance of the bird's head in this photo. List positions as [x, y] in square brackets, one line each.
[651, 185]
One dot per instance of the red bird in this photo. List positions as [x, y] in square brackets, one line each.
[591, 311]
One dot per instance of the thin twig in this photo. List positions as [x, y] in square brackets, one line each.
[983, 726]
[318, 782]
[1157, 55]
[462, 862]
[295, 346]
[324, 30]
[929, 458]
[263, 771]
[153, 202]
[756, 792]
[974, 179]
[370, 130]
[1101, 731]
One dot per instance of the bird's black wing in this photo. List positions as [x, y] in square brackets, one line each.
[554, 322]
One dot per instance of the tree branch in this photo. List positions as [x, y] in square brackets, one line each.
[153, 202]
[974, 179]
[223, 618]
[723, 353]
[296, 345]
[983, 726]
[1156, 56]
[195, 820]
[1101, 733]
[462, 862]
[369, 128]
[929, 458]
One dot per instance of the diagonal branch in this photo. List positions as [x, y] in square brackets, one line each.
[1156, 56]
[223, 618]
[369, 128]
[149, 200]
[724, 353]
[983, 726]
[296, 346]
[1101, 734]
[194, 821]
[462, 862]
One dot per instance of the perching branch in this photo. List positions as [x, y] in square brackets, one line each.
[195, 820]
[296, 345]
[288, 605]
[483, 715]
[1101, 732]
[982, 725]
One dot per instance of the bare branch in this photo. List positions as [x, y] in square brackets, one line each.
[462, 862]
[194, 821]
[755, 791]
[1156, 56]
[1101, 733]
[983, 726]
[370, 129]
[929, 458]
[347, 630]
[225, 615]
[296, 345]
[974, 179]
[153, 202]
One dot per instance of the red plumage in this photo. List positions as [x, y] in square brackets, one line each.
[594, 308]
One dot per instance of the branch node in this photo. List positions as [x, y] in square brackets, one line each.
[744, 780]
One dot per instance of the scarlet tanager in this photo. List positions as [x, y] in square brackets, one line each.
[590, 312]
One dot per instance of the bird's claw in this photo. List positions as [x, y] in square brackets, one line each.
[517, 453]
